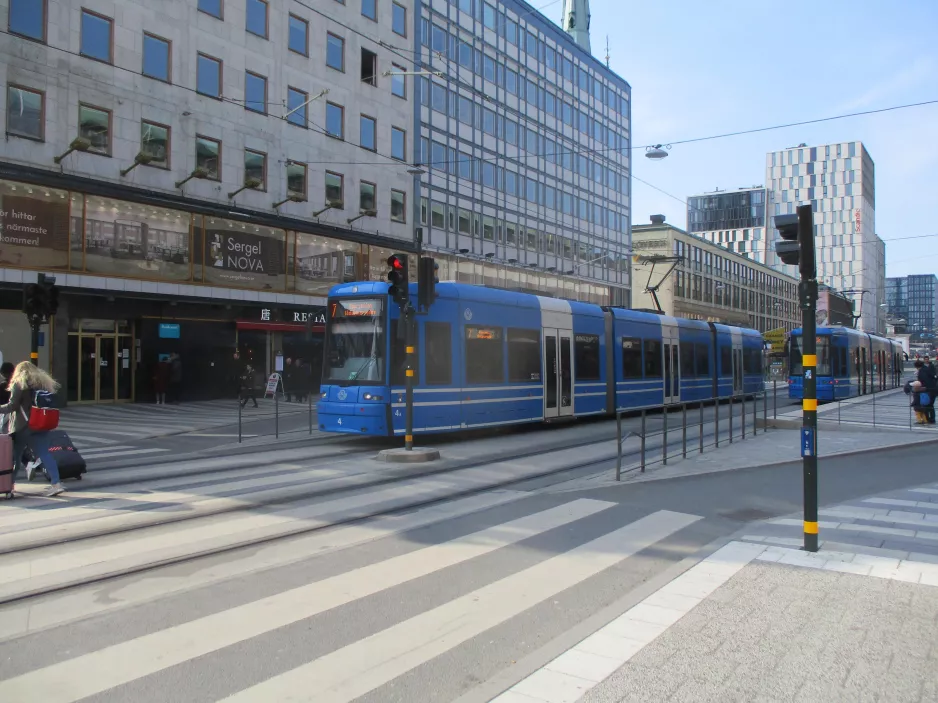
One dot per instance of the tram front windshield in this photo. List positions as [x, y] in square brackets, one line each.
[823, 356]
[355, 342]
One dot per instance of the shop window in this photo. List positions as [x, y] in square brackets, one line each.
[26, 112]
[34, 223]
[28, 18]
[242, 255]
[322, 262]
[255, 170]
[157, 62]
[485, 355]
[631, 357]
[335, 189]
[586, 355]
[524, 355]
[367, 201]
[398, 206]
[653, 361]
[296, 179]
[94, 124]
[438, 353]
[208, 157]
[97, 36]
[155, 143]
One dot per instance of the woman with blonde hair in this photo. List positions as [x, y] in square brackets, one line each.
[27, 379]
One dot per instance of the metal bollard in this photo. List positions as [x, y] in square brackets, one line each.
[276, 415]
[684, 430]
[765, 413]
[643, 441]
[664, 439]
[701, 426]
[731, 419]
[618, 445]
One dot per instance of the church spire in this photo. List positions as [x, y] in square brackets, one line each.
[576, 21]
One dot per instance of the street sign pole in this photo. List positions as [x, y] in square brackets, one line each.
[410, 322]
[808, 292]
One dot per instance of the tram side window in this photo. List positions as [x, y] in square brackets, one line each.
[524, 355]
[438, 352]
[399, 359]
[687, 360]
[485, 355]
[726, 360]
[702, 352]
[632, 357]
[653, 363]
[586, 354]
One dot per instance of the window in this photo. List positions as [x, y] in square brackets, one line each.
[586, 355]
[368, 130]
[726, 360]
[208, 76]
[398, 84]
[631, 357]
[653, 363]
[366, 197]
[437, 215]
[702, 359]
[488, 16]
[370, 9]
[369, 67]
[255, 169]
[211, 7]
[255, 92]
[297, 107]
[156, 57]
[97, 34]
[438, 353]
[26, 112]
[398, 206]
[28, 18]
[485, 355]
[399, 19]
[298, 35]
[255, 19]
[335, 189]
[94, 124]
[524, 355]
[154, 143]
[296, 179]
[398, 143]
[208, 157]
[335, 52]
[335, 120]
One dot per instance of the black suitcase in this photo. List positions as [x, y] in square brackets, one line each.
[70, 462]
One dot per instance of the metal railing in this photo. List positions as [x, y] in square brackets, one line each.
[739, 412]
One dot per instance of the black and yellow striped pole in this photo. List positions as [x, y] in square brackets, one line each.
[808, 294]
[410, 356]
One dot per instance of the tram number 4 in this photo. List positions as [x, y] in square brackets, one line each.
[808, 373]
[397, 413]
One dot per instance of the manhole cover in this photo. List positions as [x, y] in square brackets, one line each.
[747, 515]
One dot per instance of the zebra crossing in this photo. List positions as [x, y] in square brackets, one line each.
[392, 608]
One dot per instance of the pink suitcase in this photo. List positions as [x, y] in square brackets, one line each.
[6, 465]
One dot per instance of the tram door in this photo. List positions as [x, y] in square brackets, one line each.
[863, 370]
[558, 373]
[671, 350]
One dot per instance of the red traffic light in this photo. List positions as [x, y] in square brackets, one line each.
[395, 263]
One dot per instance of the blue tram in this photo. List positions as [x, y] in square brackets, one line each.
[487, 358]
[849, 363]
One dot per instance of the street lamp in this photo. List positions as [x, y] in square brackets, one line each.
[657, 152]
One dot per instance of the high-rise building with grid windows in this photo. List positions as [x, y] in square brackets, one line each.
[734, 219]
[915, 300]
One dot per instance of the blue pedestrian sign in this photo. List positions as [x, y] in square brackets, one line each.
[808, 442]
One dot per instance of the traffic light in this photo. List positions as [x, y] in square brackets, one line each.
[32, 300]
[49, 294]
[398, 278]
[796, 247]
[426, 281]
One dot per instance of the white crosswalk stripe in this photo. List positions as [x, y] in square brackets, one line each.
[498, 522]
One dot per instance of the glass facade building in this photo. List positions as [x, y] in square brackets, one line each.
[915, 300]
[524, 140]
[733, 219]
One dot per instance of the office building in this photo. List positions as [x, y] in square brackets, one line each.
[197, 174]
[734, 219]
[525, 141]
[914, 299]
[708, 282]
[838, 180]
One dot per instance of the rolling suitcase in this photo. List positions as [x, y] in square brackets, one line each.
[6, 465]
[70, 462]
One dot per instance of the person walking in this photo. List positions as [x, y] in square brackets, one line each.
[27, 379]
[247, 386]
[160, 381]
[6, 373]
[289, 379]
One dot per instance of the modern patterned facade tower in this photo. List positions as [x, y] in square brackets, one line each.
[915, 300]
[838, 180]
[576, 22]
[734, 219]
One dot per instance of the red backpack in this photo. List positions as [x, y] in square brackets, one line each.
[43, 417]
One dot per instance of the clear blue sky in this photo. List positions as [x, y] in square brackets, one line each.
[704, 68]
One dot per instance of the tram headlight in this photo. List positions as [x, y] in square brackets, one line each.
[372, 396]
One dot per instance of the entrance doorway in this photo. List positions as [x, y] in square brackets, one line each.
[101, 362]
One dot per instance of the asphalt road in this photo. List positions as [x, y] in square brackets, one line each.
[421, 616]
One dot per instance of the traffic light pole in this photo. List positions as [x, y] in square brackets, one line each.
[808, 292]
[34, 324]
[411, 344]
